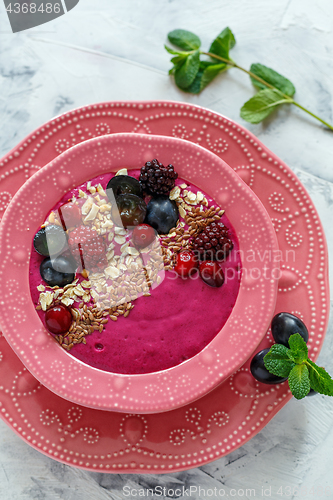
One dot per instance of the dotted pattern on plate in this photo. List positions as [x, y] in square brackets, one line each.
[234, 412]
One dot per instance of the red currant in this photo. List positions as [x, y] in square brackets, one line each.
[70, 215]
[211, 273]
[58, 319]
[186, 263]
[143, 235]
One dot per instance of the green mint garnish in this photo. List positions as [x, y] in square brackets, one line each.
[320, 380]
[256, 109]
[223, 43]
[299, 381]
[270, 76]
[192, 74]
[277, 361]
[294, 363]
[184, 39]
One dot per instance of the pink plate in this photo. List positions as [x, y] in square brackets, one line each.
[234, 412]
[82, 384]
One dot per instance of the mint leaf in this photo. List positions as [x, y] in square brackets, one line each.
[186, 72]
[320, 380]
[176, 52]
[261, 105]
[270, 76]
[299, 382]
[298, 348]
[184, 39]
[277, 361]
[207, 72]
[223, 43]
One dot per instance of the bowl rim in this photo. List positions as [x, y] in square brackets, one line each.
[115, 384]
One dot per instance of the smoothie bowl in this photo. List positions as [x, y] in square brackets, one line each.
[121, 273]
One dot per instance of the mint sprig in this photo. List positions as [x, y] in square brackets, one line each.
[295, 364]
[192, 74]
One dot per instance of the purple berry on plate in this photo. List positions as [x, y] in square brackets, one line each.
[129, 210]
[260, 372]
[50, 240]
[284, 325]
[123, 184]
[162, 214]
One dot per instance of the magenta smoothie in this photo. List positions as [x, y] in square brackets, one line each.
[171, 323]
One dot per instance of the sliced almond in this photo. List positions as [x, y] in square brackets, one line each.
[92, 213]
[86, 207]
[100, 190]
[122, 171]
[41, 288]
[82, 194]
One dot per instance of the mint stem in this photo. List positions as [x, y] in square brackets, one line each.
[290, 100]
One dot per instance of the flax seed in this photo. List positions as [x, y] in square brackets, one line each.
[113, 317]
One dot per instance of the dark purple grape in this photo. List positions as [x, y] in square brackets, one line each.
[50, 240]
[162, 214]
[285, 324]
[260, 372]
[59, 271]
[123, 184]
[129, 210]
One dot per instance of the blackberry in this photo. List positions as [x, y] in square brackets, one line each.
[213, 243]
[155, 178]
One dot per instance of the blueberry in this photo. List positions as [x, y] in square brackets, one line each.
[129, 210]
[162, 214]
[123, 184]
[285, 324]
[59, 271]
[50, 240]
[260, 372]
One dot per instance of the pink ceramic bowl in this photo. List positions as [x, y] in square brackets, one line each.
[80, 383]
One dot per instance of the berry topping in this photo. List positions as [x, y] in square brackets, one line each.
[70, 215]
[162, 214]
[155, 178]
[130, 210]
[50, 240]
[260, 372]
[211, 273]
[285, 324]
[213, 242]
[186, 264]
[58, 272]
[88, 248]
[58, 319]
[143, 235]
[123, 184]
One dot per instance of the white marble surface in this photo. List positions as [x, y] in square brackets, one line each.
[105, 50]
